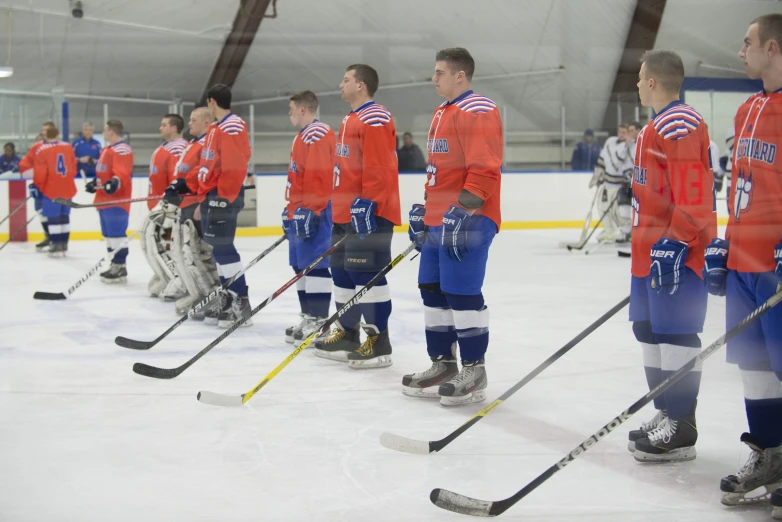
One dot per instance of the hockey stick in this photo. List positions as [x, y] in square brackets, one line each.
[457, 503]
[169, 373]
[594, 229]
[421, 447]
[73, 204]
[23, 203]
[23, 227]
[50, 296]
[201, 305]
[587, 223]
[216, 399]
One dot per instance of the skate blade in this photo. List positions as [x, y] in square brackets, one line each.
[119, 280]
[763, 494]
[340, 356]
[677, 455]
[421, 392]
[776, 513]
[212, 321]
[631, 446]
[227, 324]
[476, 396]
[381, 361]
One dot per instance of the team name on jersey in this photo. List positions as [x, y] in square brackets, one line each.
[101, 167]
[343, 151]
[293, 167]
[153, 170]
[439, 145]
[208, 154]
[756, 150]
[183, 168]
[639, 175]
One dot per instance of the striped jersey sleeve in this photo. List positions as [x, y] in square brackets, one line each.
[677, 123]
[374, 115]
[475, 103]
[315, 132]
[232, 125]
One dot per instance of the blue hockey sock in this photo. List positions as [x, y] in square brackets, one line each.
[652, 358]
[471, 320]
[438, 319]
[676, 351]
[763, 402]
[229, 264]
[318, 292]
[344, 288]
[376, 303]
[301, 292]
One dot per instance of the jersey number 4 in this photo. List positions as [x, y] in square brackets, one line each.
[61, 170]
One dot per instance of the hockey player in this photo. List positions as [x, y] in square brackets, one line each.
[460, 219]
[753, 271]
[26, 170]
[192, 255]
[113, 172]
[224, 158]
[308, 212]
[365, 201]
[53, 173]
[611, 175]
[674, 218]
[156, 229]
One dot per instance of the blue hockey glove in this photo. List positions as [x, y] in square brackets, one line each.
[668, 268]
[173, 191]
[286, 223]
[455, 233]
[112, 185]
[91, 186]
[34, 191]
[715, 271]
[306, 222]
[778, 259]
[218, 213]
[416, 231]
[362, 214]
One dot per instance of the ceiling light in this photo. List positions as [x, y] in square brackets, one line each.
[6, 71]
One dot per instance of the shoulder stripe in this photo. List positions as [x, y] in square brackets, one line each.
[375, 115]
[175, 147]
[232, 125]
[678, 122]
[315, 133]
[123, 149]
[476, 103]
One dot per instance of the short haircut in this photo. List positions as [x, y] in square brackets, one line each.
[407, 134]
[769, 28]
[203, 113]
[624, 125]
[366, 75]
[48, 124]
[177, 121]
[10, 144]
[116, 127]
[306, 99]
[666, 67]
[87, 124]
[635, 124]
[458, 59]
[51, 132]
[221, 94]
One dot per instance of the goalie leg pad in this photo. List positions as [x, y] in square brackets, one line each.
[202, 272]
[180, 243]
[149, 246]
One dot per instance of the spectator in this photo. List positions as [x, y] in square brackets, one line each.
[409, 155]
[586, 153]
[9, 161]
[87, 150]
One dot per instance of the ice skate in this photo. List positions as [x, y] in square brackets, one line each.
[57, 250]
[644, 430]
[337, 344]
[291, 330]
[375, 352]
[235, 308]
[776, 502]
[466, 387]
[762, 470]
[427, 383]
[313, 325]
[116, 274]
[671, 441]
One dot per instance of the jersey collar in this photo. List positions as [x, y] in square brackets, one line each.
[670, 106]
[460, 97]
[367, 104]
[308, 126]
[226, 117]
[120, 142]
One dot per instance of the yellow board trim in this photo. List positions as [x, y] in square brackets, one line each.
[277, 231]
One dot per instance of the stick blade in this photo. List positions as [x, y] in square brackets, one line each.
[133, 344]
[49, 296]
[155, 372]
[403, 444]
[457, 503]
[216, 399]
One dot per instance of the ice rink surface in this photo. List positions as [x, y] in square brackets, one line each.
[83, 438]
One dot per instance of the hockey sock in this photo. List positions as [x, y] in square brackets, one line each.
[471, 319]
[119, 247]
[763, 401]
[45, 225]
[56, 229]
[676, 351]
[318, 292]
[438, 318]
[230, 264]
[301, 291]
[344, 288]
[65, 222]
[652, 358]
[376, 303]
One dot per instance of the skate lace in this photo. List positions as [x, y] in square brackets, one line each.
[368, 346]
[652, 424]
[466, 375]
[335, 335]
[433, 370]
[664, 432]
[755, 462]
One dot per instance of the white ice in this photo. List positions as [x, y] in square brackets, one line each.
[83, 438]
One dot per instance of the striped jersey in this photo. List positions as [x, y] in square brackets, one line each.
[310, 168]
[55, 169]
[162, 167]
[224, 158]
[116, 161]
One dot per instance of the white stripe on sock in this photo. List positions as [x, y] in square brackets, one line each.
[376, 294]
[652, 355]
[464, 319]
[438, 316]
[318, 285]
[343, 295]
[674, 357]
[231, 269]
[761, 385]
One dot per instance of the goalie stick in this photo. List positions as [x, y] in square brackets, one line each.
[201, 305]
[422, 447]
[22, 204]
[169, 373]
[457, 503]
[23, 227]
[587, 223]
[50, 296]
[594, 229]
[216, 399]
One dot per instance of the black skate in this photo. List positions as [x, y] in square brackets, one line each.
[644, 430]
[43, 246]
[116, 274]
[762, 470]
[423, 384]
[375, 352]
[57, 250]
[338, 344]
[237, 308]
[671, 441]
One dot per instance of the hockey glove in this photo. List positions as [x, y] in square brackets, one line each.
[286, 223]
[362, 214]
[715, 271]
[778, 259]
[112, 185]
[668, 268]
[173, 191]
[218, 213]
[455, 223]
[91, 186]
[34, 191]
[306, 222]
[416, 231]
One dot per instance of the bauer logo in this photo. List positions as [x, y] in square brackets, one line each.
[447, 221]
[354, 210]
[716, 251]
[415, 219]
[343, 151]
[663, 253]
[439, 145]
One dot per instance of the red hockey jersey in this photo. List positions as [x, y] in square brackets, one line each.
[29, 159]
[465, 152]
[115, 161]
[366, 165]
[55, 169]
[224, 158]
[187, 167]
[755, 222]
[673, 187]
[162, 167]
[310, 168]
